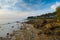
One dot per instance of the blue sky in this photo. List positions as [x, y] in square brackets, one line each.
[25, 8]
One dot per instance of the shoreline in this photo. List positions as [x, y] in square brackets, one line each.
[28, 31]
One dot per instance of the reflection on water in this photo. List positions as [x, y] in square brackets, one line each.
[7, 24]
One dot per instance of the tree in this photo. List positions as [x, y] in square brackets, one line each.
[58, 12]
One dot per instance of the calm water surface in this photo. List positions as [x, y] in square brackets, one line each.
[5, 27]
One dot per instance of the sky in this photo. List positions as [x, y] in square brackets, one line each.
[25, 8]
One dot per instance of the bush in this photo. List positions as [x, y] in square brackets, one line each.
[48, 32]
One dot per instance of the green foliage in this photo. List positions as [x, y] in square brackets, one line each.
[48, 15]
[58, 12]
[31, 17]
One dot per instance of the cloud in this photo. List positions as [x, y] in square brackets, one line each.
[4, 13]
[9, 9]
[5, 4]
[55, 5]
[33, 4]
[16, 14]
[19, 9]
[12, 14]
[21, 5]
[14, 5]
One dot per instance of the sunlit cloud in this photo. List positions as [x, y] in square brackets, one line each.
[55, 5]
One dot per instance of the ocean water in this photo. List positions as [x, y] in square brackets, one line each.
[6, 25]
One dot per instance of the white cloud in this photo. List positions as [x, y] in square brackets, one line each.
[6, 13]
[12, 14]
[5, 4]
[55, 5]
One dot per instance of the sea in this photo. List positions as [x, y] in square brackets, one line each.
[8, 25]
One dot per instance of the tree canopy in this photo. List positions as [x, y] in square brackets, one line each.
[58, 12]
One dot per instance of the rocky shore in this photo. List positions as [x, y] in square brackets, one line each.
[34, 32]
[48, 28]
[26, 32]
